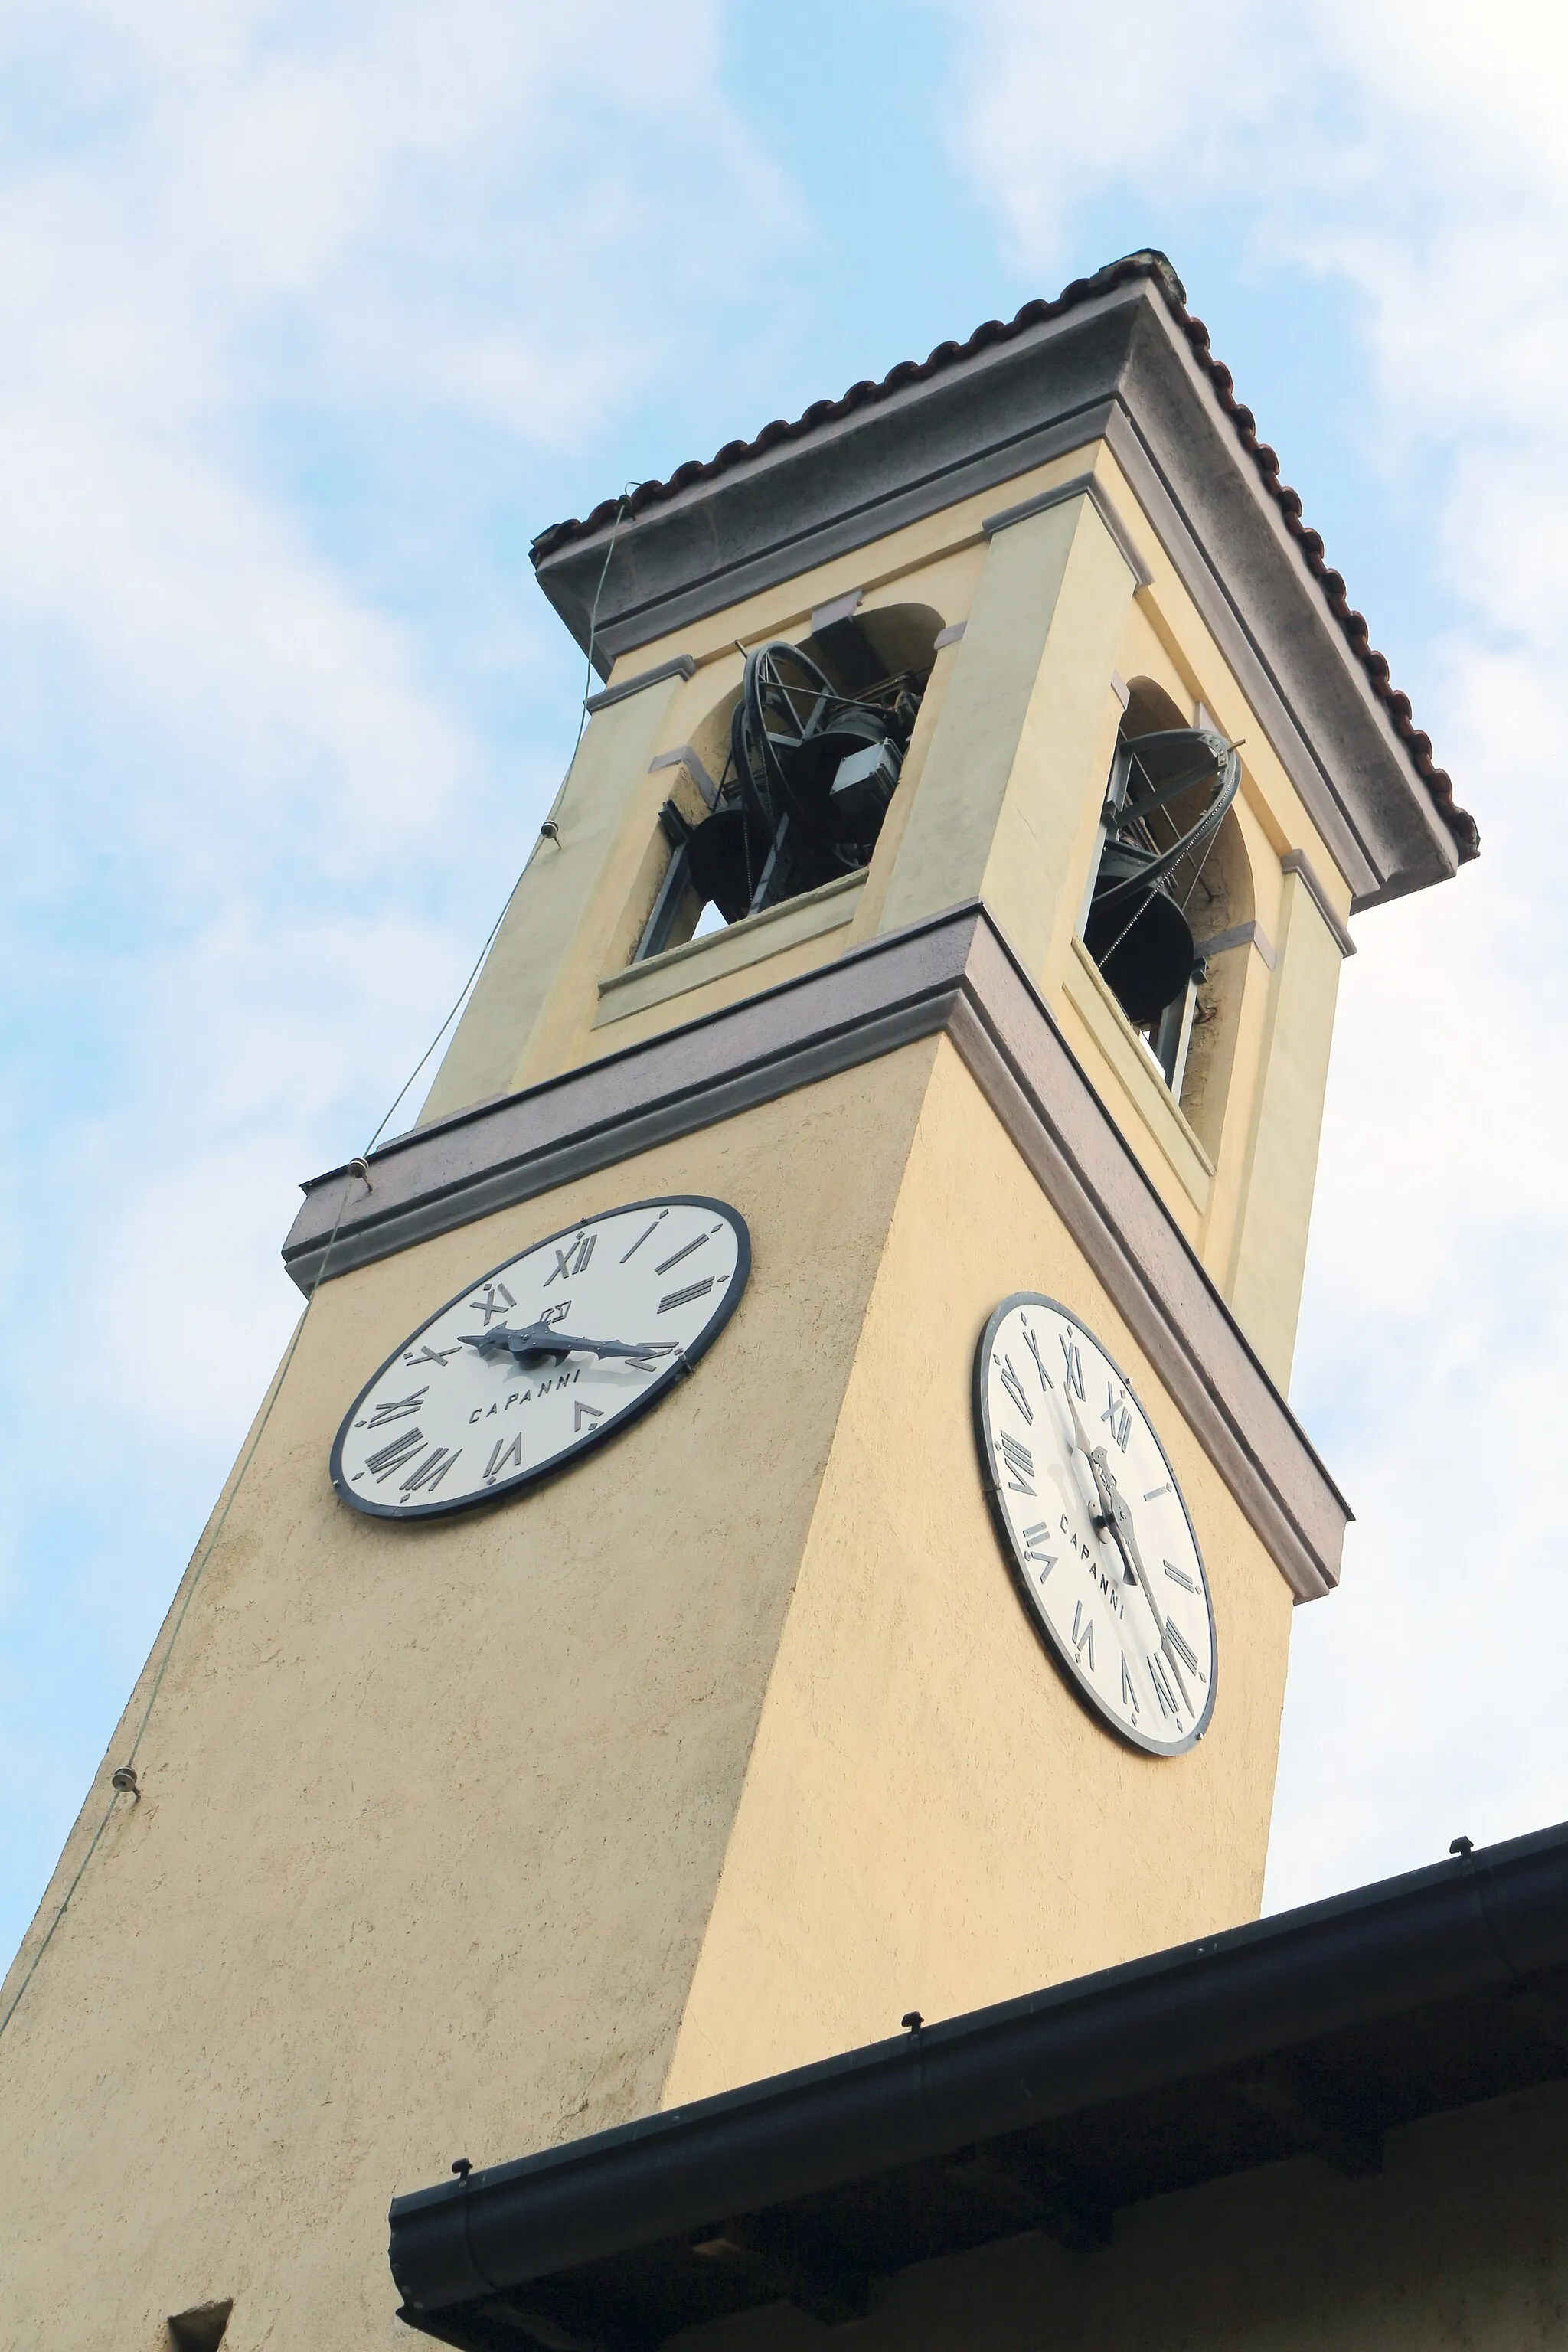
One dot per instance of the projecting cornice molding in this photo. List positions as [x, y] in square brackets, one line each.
[1115, 365]
[954, 975]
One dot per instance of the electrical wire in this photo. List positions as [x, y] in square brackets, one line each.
[193, 1577]
[546, 830]
[621, 507]
[456, 1008]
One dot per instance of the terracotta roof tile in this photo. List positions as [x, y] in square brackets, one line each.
[1155, 268]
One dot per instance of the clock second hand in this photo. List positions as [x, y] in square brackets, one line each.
[1117, 1520]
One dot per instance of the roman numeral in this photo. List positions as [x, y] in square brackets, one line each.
[1155, 1492]
[573, 1259]
[1128, 1695]
[1031, 1536]
[392, 1457]
[431, 1471]
[1117, 1417]
[684, 1298]
[665, 1264]
[395, 1408]
[1082, 1643]
[502, 1455]
[1174, 1641]
[1074, 1367]
[1014, 1388]
[1032, 1345]
[1168, 1703]
[432, 1355]
[581, 1411]
[496, 1301]
[645, 1233]
[1019, 1461]
[1178, 1575]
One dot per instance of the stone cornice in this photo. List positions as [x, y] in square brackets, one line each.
[1115, 365]
[954, 975]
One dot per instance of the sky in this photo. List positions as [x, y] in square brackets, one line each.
[311, 317]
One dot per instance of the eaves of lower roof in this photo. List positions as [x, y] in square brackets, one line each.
[1155, 268]
[1317, 2030]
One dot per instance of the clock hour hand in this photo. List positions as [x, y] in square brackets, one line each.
[1116, 1518]
[538, 1343]
[1104, 1487]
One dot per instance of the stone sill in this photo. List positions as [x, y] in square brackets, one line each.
[750, 940]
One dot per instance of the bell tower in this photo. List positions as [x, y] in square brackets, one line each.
[949, 888]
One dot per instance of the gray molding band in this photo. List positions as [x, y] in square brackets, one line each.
[954, 975]
[790, 537]
[1082, 486]
[683, 756]
[1296, 861]
[1241, 935]
[839, 608]
[682, 665]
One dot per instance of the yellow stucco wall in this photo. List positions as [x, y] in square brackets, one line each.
[1021, 731]
[711, 1756]
[433, 1814]
[549, 937]
[1273, 1196]
[999, 798]
[930, 1820]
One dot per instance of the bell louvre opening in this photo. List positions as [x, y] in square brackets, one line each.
[1170, 790]
[816, 742]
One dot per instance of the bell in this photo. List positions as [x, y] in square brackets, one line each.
[1144, 946]
[723, 865]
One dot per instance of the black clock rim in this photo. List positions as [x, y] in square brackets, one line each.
[505, 1490]
[1080, 1687]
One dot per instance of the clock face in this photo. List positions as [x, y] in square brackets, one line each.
[543, 1358]
[1094, 1524]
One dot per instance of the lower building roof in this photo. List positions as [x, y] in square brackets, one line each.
[1315, 2031]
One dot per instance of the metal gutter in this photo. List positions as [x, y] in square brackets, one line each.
[1427, 1942]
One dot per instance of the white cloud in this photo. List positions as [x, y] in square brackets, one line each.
[296, 306]
[1413, 157]
[290, 301]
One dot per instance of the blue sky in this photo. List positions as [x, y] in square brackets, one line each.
[310, 317]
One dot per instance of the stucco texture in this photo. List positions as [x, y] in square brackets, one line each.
[930, 1819]
[433, 1815]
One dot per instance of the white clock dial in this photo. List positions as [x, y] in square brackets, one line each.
[1094, 1524]
[541, 1358]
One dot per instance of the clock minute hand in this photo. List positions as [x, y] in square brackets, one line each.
[626, 1347]
[1126, 1539]
[1117, 1520]
[1119, 1528]
[548, 1340]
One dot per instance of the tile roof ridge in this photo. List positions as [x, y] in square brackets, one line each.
[1155, 267]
